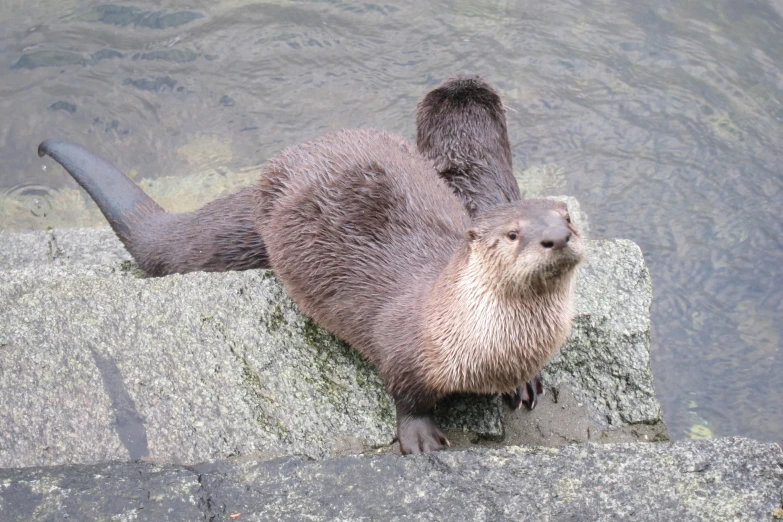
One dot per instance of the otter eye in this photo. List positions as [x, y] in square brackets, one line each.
[568, 218]
[513, 235]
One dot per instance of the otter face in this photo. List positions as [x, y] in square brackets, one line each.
[529, 243]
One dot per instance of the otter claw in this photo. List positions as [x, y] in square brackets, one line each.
[527, 394]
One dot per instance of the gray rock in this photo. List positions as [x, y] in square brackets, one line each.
[725, 479]
[24, 250]
[86, 246]
[61, 247]
[101, 365]
[118, 491]
[607, 357]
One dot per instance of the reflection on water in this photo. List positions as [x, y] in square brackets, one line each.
[665, 121]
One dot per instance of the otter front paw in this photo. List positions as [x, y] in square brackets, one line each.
[527, 394]
[419, 434]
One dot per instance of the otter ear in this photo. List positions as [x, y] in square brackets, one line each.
[472, 234]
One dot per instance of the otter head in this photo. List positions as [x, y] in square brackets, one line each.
[530, 244]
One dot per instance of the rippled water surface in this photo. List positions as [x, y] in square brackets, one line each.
[666, 119]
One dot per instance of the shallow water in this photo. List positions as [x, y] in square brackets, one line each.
[666, 120]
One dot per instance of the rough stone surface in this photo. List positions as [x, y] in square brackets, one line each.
[725, 479]
[117, 491]
[183, 369]
[61, 247]
[97, 364]
[100, 365]
[607, 357]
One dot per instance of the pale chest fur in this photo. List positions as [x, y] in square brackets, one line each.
[485, 343]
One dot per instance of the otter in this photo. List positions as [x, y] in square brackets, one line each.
[461, 128]
[381, 253]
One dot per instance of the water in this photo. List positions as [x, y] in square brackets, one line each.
[666, 120]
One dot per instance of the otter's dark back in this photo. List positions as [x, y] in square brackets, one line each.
[461, 128]
[351, 220]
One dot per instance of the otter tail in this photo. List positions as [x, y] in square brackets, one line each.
[120, 199]
[218, 237]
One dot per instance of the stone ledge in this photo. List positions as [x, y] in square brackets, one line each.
[717, 480]
[100, 365]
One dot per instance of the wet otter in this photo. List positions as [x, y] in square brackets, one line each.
[379, 251]
[460, 126]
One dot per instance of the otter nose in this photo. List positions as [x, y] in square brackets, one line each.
[556, 238]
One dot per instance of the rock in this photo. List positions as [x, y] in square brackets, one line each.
[725, 479]
[62, 247]
[118, 491]
[204, 366]
[98, 364]
[607, 357]
[101, 365]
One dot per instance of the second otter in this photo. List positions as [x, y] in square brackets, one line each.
[461, 127]
[379, 251]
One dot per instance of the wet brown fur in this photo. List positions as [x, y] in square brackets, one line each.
[461, 127]
[376, 248]
[220, 236]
